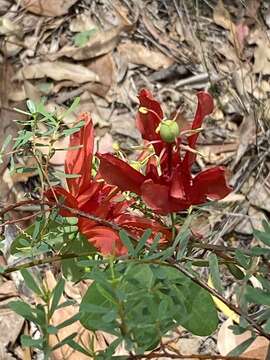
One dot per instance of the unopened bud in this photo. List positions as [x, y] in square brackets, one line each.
[169, 130]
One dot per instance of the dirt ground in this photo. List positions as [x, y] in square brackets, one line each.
[104, 51]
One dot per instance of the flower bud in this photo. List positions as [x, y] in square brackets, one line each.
[169, 130]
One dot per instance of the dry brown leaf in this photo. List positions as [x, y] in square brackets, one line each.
[252, 7]
[227, 341]
[82, 22]
[104, 67]
[247, 136]
[101, 43]
[57, 70]
[141, 55]
[259, 194]
[8, 27]
[222, 17]
[217, 154]
[10, 328]
[238, 33]
[262, 58]
[8, 289]
[262, 51]
[48, 7]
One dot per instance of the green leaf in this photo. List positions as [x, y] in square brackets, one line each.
[52, 330]
[31, 282]
[183, 242]
[155, 243]
[214, 272]
[142, 241]
[242, 259]
[71, 108]
[241, 347]
[72, 270]
[66, 303]
[64, 341]
[193, 303]
[56, 295]
[265, 282]
[73, 130]
[28, 341]
[267, 326]
[262, 236]
[69, 321]
[82, 38]
[236, 271]
[31, 106]
[23, 137]
[258, 296]
[23, 309]
[266, 226]
[142, 291]
[74, 345]
[258, 251]
[63, 175]
[127, 242]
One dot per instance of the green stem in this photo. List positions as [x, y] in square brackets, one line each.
[173, 223]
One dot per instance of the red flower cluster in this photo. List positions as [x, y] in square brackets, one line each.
[92, 195]
[167, 184]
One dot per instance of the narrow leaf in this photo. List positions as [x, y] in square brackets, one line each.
[241, 347]
[71, 108]
[56, 296]
[127, 242]
[262, 236]
[258, 296]
[31, 282]
[142, 241]
[214, 272]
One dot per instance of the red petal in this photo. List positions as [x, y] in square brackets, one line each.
[59, 193]
[178, 184]
[211, 184]
[79, 161]
[205, 107]
[137, 225]
[106, 240]
[87, 196]
[158, 198]
[117, 172]
[147, 123]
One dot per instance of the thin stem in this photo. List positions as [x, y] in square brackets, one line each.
[173, 223]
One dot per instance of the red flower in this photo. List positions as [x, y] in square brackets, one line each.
[97, 198]
[175, 188]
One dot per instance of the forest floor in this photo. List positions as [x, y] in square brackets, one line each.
[105, 52]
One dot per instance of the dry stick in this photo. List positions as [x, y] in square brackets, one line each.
[170, 262]
[197, 357]
[9, 222]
